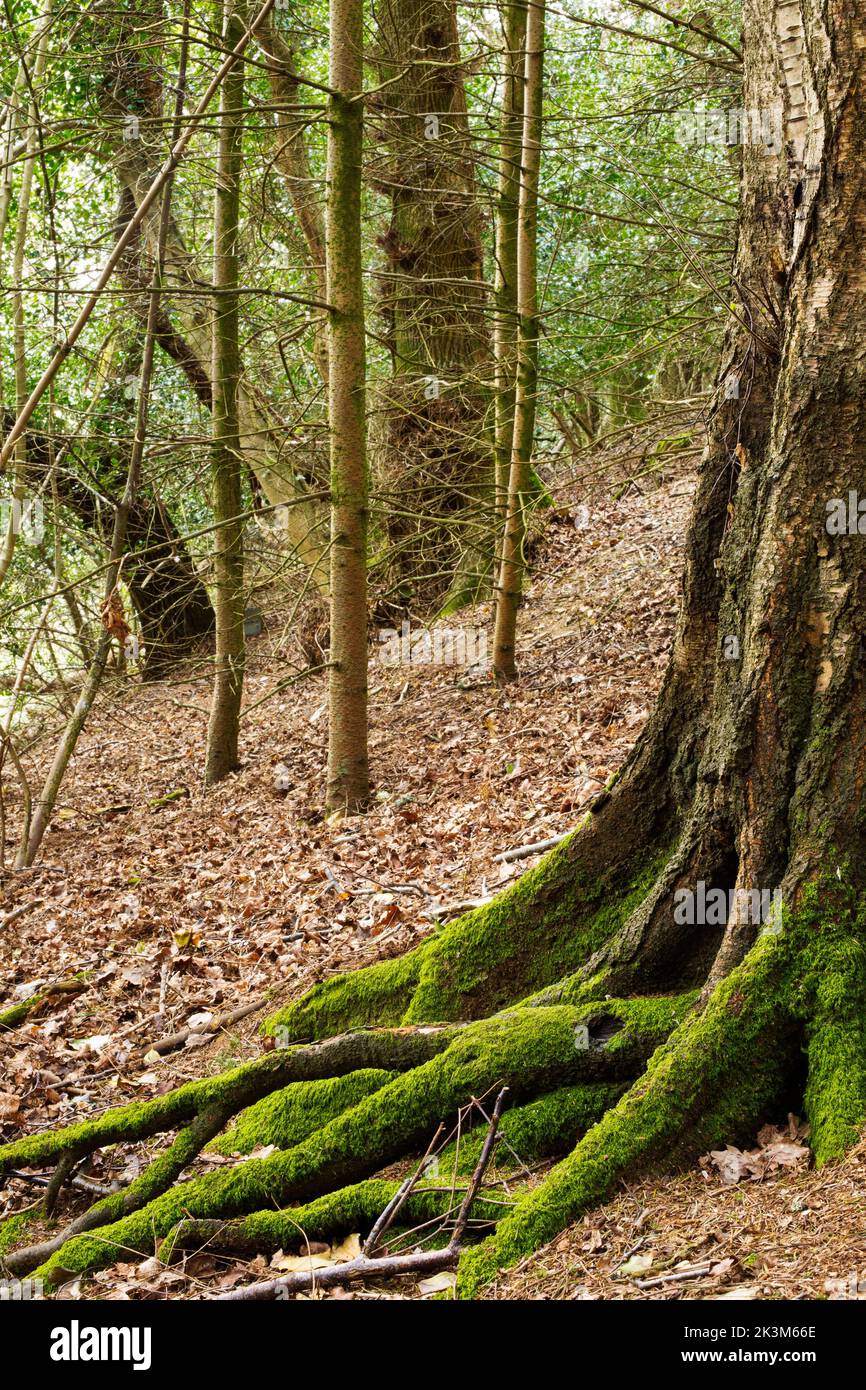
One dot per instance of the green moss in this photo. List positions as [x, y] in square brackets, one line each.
[541, 929]
[376, 995]
[15, 1016]
[830, 994]
[528, 1050]
[715, 1076]
[291, 1115]
[13, 1228]
[142, 1119]
[350, 1209]
[548, 1126]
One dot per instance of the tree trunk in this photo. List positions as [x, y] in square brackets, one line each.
[510, 583]
[748, 779]
[224, 724]
[514, 14]
[130, 99]
[348, 785]
[430, 457]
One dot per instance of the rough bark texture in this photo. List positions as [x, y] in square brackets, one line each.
[431, 460]
[583, 977]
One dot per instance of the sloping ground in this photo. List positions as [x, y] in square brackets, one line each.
[179, 905]
[791, 1234]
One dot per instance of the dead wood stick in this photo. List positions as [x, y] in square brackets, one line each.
[386, 1217]
[386, 1266]
[523, 851]
[19, 911]
[697, 1272]
[175, 1040]
[480, 1168]
[418, 1262]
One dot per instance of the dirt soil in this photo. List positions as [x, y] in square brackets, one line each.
[180, 905]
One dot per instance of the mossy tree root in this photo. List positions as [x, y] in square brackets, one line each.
[230, 1092]
[157, 1178]
[529, 1050]
[723, 1071]
[546, 925]
[353, 1208]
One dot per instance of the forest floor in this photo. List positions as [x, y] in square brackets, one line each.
[180, 905]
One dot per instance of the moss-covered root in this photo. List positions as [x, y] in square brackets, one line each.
[351, 1209]
[376, 994]
[547, 1127]
[529, 1050]
[714, 1079]
[232, 1091]
[289, 1116]
[545, 926]
[835, 1101]
[157, 1178]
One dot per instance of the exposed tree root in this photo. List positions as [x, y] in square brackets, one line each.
[353, 1208]
[232, 1091]
[529, 1050]
[648, 1082]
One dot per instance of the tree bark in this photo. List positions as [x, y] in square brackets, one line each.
[514, 15]
[510, 583]
[431, 458]
[348, 783]
[749, 777]
[224, 724]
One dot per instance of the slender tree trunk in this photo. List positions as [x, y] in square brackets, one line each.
[19, 348]
[112, 615]
[512, 566]
[514, 14]
[223, 728]
[348, 785]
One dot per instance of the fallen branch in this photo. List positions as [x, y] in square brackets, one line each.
[696, 1272]
[523, 851]
[175, 1040]
[19, 1013]
[386, 1266]
[19, 911]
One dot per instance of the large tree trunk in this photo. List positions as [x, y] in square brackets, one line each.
[431, 459]
[749, 776]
